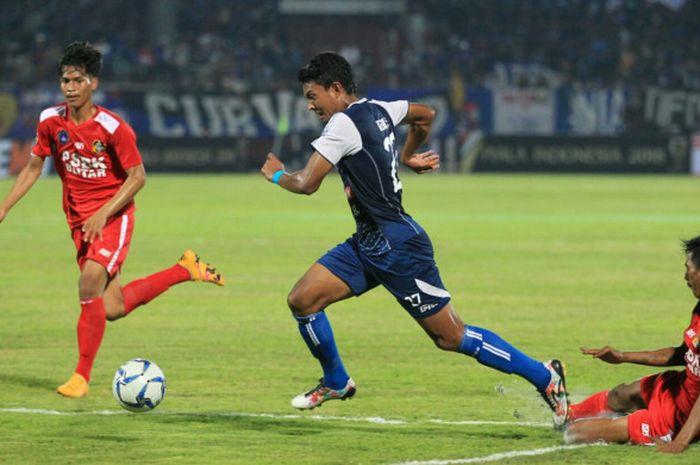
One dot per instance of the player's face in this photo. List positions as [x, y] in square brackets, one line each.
[77, 86]
[324, 102]
[692, 276]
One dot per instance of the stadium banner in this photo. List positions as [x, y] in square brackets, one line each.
[523, 111]
[576, 154]
[672, 110]
[262, 115]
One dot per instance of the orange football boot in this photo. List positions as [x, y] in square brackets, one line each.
[200, 271]
[76, 386]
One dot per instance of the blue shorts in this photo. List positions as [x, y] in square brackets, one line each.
[408, 271]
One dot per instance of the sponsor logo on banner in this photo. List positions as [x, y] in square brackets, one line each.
[523, 111]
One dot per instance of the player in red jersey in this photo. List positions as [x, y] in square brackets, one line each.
[95, 155]
[661, 409]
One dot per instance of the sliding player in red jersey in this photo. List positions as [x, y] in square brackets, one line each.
[662, 408]
[95, 155]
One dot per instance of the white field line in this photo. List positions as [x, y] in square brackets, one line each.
[376, 420]
[498, 456]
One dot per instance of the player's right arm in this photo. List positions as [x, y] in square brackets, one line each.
[304, 181]
[25, 180]
[668, 356]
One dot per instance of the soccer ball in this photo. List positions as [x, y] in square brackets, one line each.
[139, 385]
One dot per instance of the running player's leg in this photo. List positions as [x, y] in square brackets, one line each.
[317, 289]
[141, 291]
[449, 333]
[90, 329]
[411, 275]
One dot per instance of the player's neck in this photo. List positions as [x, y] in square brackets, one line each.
[79, 115]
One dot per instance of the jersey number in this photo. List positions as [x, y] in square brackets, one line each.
[389, 147]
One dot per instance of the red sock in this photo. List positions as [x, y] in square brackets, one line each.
[141, 291]
[91, 328]
[593, 406]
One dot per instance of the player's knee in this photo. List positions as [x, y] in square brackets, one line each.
[450, 343]
[89, 287]
[301, 304]
[623, 398]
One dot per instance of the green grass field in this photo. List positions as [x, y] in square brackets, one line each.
[549, 262]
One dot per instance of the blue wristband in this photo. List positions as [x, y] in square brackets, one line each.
[276, 177]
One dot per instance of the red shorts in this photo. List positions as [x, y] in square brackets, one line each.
[661, 419]
[111, 251]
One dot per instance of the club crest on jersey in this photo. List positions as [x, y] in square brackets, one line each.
[62, 137]
[382, 124]
[98, 146]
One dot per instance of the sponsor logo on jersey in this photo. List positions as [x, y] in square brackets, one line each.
[692, 361]
[105, 253]
[98, 146]
[62, 136]
[382, 124]
[85, 167]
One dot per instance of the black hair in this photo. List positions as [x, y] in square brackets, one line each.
[82, 55]
[692, 249]
[327, 68]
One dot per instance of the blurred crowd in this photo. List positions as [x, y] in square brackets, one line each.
[250, 45]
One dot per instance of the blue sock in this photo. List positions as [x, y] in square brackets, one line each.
[490, 350]
[318, 335]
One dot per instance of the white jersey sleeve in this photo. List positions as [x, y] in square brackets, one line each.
[340, 138]
[397, 109]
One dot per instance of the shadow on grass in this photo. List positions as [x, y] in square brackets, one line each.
[300, 425]
[28, 381]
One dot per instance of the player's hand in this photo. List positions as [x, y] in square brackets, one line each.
[271, 166]
[425, 162]
[92, 229]
[606, 354]
[671, 447]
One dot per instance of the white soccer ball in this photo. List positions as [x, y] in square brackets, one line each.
[139, 385]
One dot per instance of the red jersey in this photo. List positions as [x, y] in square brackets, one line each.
[691, 385]
[91, 158]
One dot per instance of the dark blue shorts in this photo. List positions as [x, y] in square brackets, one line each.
[408, 271]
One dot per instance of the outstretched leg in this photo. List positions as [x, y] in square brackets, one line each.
[598, 429]
[120, 301]
[449, 333]
[623, 398]
[317, 289]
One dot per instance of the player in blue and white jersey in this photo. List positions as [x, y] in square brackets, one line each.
[389, 248]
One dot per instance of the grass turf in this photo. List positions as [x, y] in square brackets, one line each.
[551, 263]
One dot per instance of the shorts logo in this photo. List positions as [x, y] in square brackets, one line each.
[645, 430]
[98, 146]
[105, 253]
[62, 137]
[425, 307]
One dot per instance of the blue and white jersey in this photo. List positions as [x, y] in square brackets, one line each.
[361, 142]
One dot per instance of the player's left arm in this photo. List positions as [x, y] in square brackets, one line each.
[135, 180]
[419, 119]
[689, 431]
[304, 181]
